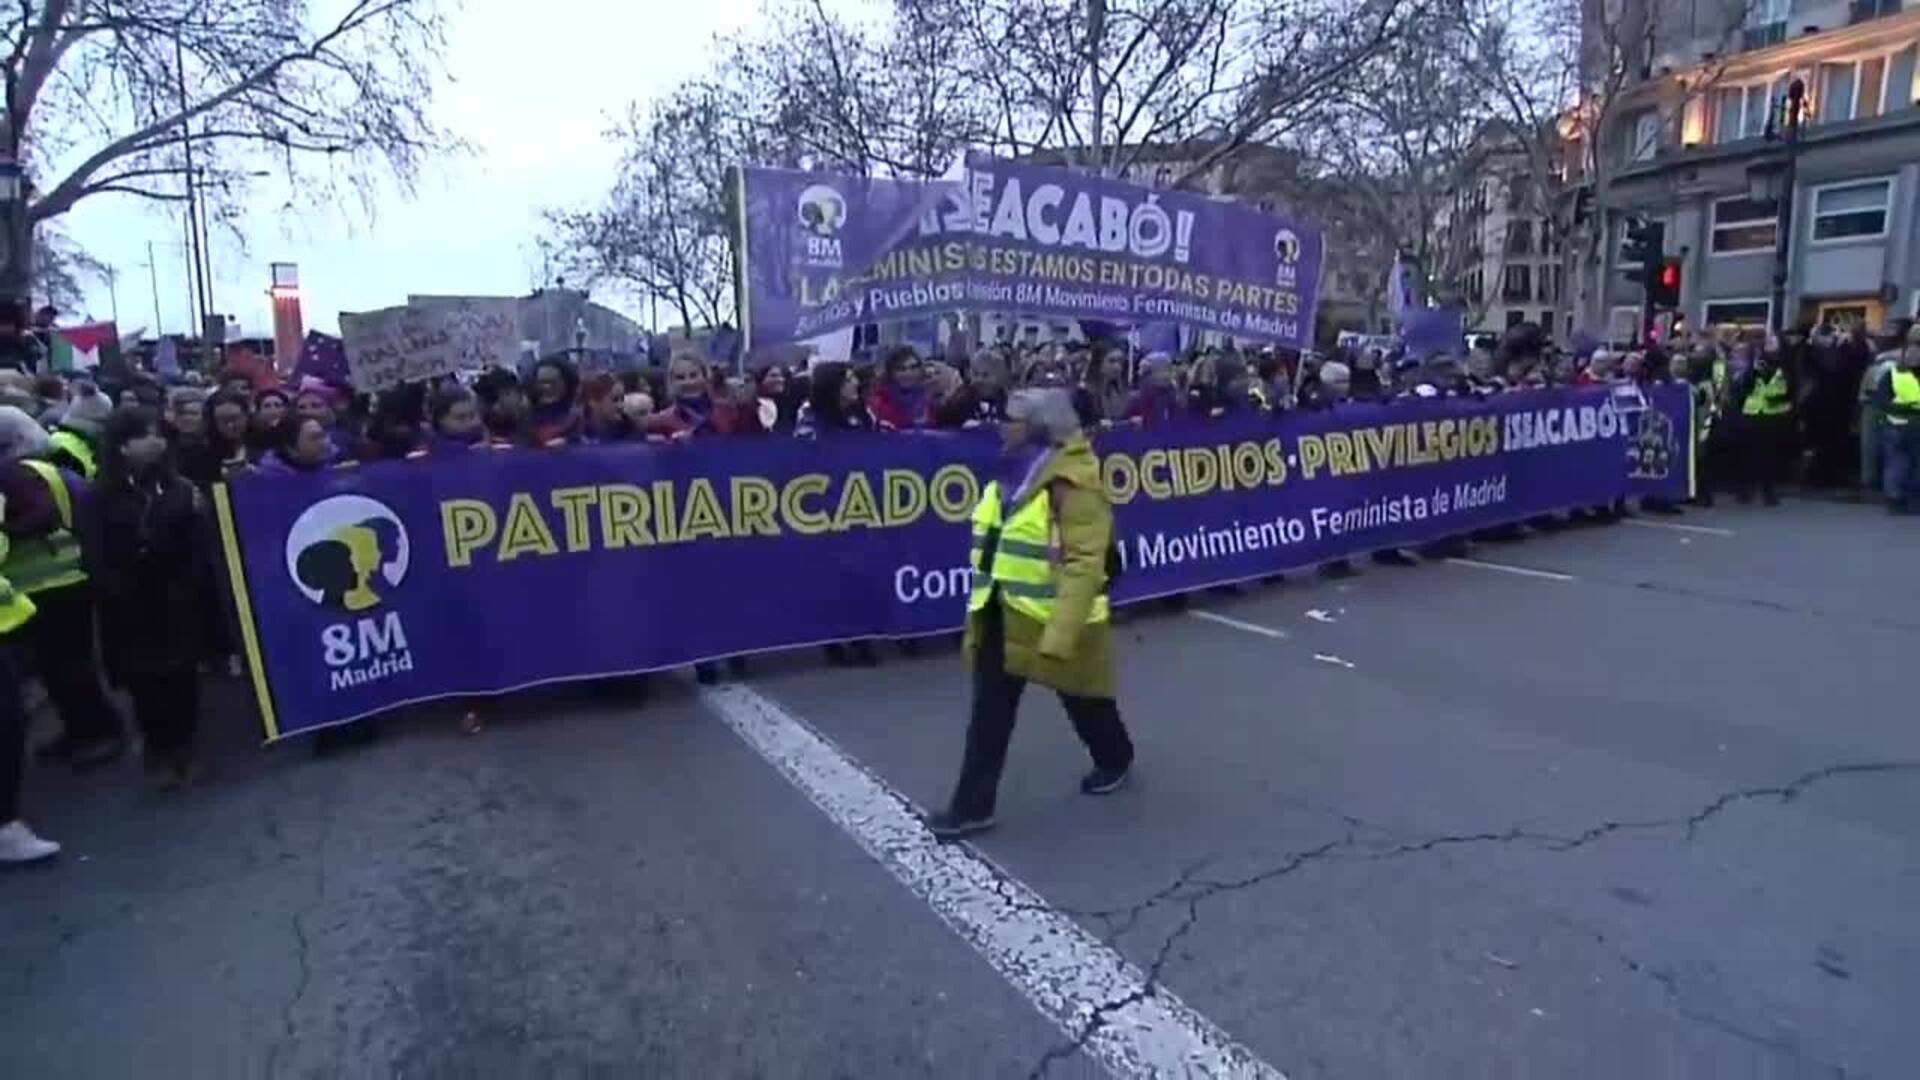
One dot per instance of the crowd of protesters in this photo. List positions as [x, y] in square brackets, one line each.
[124, 472]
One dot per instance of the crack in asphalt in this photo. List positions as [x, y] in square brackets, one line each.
[303, 942]
[1192, 891]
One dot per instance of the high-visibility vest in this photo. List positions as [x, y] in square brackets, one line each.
[1769, 397]
[1906, 395]
[16, 607]
[79, 448]
[39, 563]
[1025, 548]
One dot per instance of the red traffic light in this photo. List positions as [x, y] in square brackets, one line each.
[1670, 277]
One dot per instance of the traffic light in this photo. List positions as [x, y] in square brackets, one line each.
[1646, 245]
[1663, 289]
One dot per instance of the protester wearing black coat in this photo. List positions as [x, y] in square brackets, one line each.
[155, 585]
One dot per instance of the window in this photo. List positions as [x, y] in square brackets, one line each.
[1740, 224]
[1901, 91]
[1836, 92]
[1873, 76]
[1520, 237]
[1515, 318]
[1644, 141]
[1620, 260]
[1766, 12]
[1742, 112]
[1517, 284]
[1740, 313]
[1868, 86]
[1851, 211]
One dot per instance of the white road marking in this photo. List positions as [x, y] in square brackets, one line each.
[1240, 624]
[1063, 970]
[1523, 571]
[1329, 658]
[1703, 530]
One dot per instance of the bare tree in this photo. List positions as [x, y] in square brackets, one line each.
[1577, 98]
[1105, 81]
[662, 231]
[130, 96]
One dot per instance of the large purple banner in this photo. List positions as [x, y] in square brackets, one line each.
[364, 589]
[823, 252]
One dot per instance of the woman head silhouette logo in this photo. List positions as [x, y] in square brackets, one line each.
[347, 552]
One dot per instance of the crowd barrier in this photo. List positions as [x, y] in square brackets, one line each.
[362, 590]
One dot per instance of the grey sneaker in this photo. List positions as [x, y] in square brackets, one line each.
[948, 826]
[1103, 781]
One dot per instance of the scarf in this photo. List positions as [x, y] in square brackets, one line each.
[910, 403]
[1159, 404]
[1015, 470]
[697, 412]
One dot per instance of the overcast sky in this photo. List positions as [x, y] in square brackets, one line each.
[534, 89]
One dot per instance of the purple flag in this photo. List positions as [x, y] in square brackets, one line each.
[324, 357]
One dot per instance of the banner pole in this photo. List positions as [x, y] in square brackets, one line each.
[742, 305]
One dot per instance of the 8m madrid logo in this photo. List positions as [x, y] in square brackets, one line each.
[349, 554]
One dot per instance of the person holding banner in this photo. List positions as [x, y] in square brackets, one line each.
[900, 401]
[1042, 560]
[1157, 402]
[555, 417]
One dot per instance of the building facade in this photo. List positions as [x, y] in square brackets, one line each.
[1700, 148]
[1498, 259]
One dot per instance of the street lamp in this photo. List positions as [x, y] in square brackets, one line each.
[1772, 179]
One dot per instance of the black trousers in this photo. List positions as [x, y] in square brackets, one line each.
[13, 737]
[167, 707]
[62, 637]
[996, 702]
[1766, 443]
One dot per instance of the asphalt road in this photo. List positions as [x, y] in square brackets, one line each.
[1650, 810]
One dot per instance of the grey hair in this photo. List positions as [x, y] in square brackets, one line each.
[1048, 409]
[1335, 371]
[20, 435]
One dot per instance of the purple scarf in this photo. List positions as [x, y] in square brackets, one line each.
[1014, 469]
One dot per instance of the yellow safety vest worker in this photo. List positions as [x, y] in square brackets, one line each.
[1906, 397]
[51, 561]
[1025, 549]
[76, 446]
[1769, 397]
[16, 607]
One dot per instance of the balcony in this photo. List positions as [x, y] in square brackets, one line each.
[1759, 37]
[1862, 10]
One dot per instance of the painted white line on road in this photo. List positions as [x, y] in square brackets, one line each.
[1703, 530]
[1523, 571]
[1063, 970]
[1238, 624]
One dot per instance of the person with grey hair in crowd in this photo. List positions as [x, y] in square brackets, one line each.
[1043, 556]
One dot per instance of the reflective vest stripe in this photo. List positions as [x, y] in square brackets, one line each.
[1769, 398]
[75, 446]
[16, 607]
[51, 561]
[1024, 557]
[62, 499]
[1010, 546]
[1906, 395]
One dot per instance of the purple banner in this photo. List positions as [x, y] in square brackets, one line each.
[478, 573]
[823, 252]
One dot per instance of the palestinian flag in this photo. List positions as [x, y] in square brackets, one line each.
[80, 348]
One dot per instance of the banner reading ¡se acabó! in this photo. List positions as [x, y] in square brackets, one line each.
[483, 572]
[823, 252]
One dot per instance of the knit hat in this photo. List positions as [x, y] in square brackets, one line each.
[86, 413]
